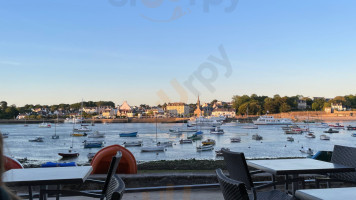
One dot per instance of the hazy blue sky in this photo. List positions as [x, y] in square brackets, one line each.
[66, 50]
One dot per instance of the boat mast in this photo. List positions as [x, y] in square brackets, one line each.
[156, 129]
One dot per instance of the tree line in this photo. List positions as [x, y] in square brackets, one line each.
[258, 105]
[11, 112]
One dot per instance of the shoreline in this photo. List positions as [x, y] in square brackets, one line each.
[99, 121]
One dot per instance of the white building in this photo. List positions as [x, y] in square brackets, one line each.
[230, 113]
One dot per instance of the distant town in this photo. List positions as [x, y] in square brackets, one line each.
[239, 106]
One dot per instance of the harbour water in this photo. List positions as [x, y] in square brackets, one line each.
[273, 145]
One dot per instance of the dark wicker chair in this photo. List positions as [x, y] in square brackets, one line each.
[345, 156]
[231, 189]
[113, 186]
[238, 170]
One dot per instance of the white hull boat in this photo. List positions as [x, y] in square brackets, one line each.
[205, 148]
[324, 137]
[270, 120]
[97, 134]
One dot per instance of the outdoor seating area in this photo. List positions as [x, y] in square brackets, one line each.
[341, 168]
[303, 179]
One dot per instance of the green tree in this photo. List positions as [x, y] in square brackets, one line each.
[318, 104]
[284, 107]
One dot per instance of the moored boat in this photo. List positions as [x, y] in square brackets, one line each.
[310, 135]
[310, 152]
[152, 149]
[205, 148]
[133, 144]
[44, 125]
[257, 137]
[208, 142]
[353, 135]
[270, 120]
[220, 153]
[290, 139]
[217, 131]
[165, 144]
[93, 144]
[69, 154]
[96, 134]
[337, 126]
[128, 134]
[185, 141]
[350, 128]
[82, 129]
[324, 137]
[78, 134]
[37, 139]
[235, 139]
[331, 131]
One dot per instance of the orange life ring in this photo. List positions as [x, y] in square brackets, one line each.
[101, 160]
[11, 163]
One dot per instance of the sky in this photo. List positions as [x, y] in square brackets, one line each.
[156, 51]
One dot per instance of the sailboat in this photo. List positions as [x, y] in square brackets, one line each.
[153, 148]
[26, 125]
[83, 128]
[70, 153]
[249, 126]
[55, 136]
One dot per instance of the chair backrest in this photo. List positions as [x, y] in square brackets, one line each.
[115, 188]
[237, 167]
[111, 172]
[231, 189]
[345, 156]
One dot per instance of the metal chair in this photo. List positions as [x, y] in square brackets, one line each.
[113, 186]
[238, 170]
[345, 156]
[231, 189]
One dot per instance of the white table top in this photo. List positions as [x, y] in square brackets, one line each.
[46, 176]
[327, 194]
[297, 166]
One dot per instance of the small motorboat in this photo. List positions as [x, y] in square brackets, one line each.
[90, 156]
[82, 129]
[4, 135]
[128, 134]
[217, 131]
[257, 137]
[337, 126]
[331, 131]
[78, 134]
[309, 151]
[323, 125]
[152, 149]
[235, 139]
[44, 125]
[96, 134]
[133, 144]
[219, 152]
[290, 139]
[185, 141]
[93, 144]
[310, 135]
[195, 137]
[353, 135]
[165, 144]
[350, 128]
[69, 154]
[324, 137]
[37, 139]
[208, 142]
[205, 148]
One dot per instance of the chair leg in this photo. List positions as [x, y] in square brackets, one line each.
[274, 180]
[30, 192]
[58, 188]
[286, 184]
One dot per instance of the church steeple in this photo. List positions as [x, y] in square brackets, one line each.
[198, 102]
